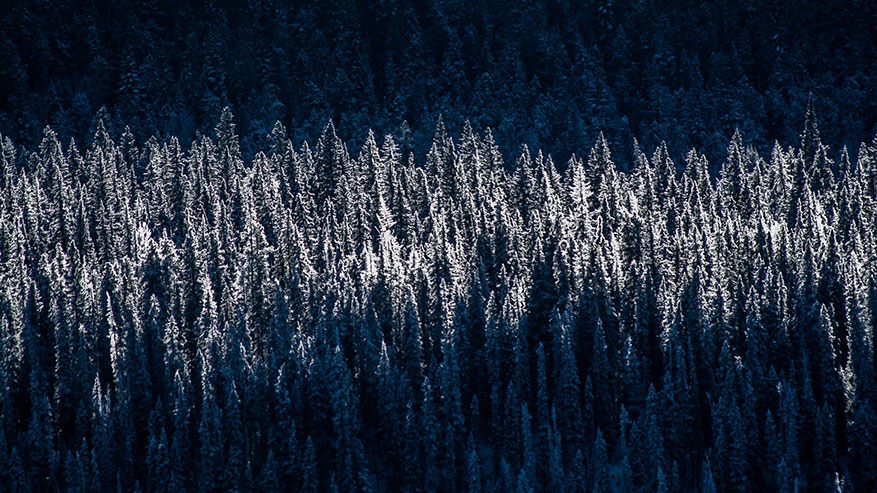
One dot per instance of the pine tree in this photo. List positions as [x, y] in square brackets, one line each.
[600, 464]
[473, 468]
[74, 473]
[863, 441]
[602, 378]
[707, 484]
[235, 444]
[158, 462]
[428, 439]
[268, 481]
[810, 141]
[39, 458]
[211, 456]
[567, 391]
[180, 448]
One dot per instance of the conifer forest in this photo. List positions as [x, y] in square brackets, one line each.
[442, 246]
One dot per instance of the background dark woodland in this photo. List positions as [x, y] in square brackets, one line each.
[193, 306]
[547, 74]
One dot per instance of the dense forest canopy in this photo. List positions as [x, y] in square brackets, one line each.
[585, 246]
[549, 74]
[177, 318]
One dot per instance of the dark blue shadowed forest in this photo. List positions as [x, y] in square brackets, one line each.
[550, 75]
